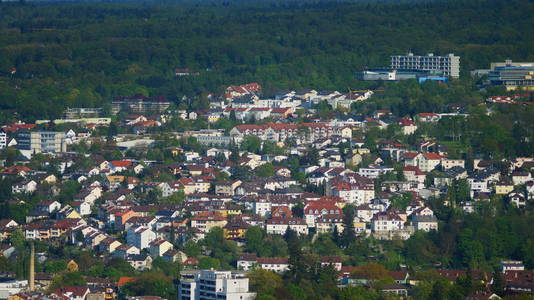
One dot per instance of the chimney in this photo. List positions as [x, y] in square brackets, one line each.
[32, 268]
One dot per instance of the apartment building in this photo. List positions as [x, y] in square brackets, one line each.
[214, 285]
[41, 141]
[449, 64]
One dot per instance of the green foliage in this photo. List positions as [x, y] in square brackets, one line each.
[17, 238]
[223, 252]
[324, 245]
[263, 245]
[251, 143]
[55, 266]
[265, 282]
[191, 249]
[153, 284]
[265, 170]
[348, 236]
[169, 269]
[67, 279]
[207, 263]
[401, 201]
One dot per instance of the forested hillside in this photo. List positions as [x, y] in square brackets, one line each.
[83, 54]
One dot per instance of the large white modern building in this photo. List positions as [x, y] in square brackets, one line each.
[214, 285]
[449, 65]
[41, 141]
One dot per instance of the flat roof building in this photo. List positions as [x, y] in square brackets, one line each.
[401, 74]
[449, 64]
[512, 75]
[214, 285]
[41, 141]
[139, 104]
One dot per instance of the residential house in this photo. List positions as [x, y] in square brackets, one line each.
[140, 262]
[126, 250]
[316, 209]
[140, 236]
[159, 246]
[519, 178]
[280, 225]
[425, 222]
[24, 187]
[517, 199]
[207, 220]
[413, 173]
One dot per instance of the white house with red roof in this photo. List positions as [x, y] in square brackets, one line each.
[73, 292]
[236, 91]
[280, 225]
[412, 173]
[410, 158]
[407, 126]
[316, 209]
[386, 221]
[429, 161]
[427, 117]
[354, 193]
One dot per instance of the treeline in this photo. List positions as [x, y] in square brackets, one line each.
[84, 54]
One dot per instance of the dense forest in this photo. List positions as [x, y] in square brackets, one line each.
[58, 55]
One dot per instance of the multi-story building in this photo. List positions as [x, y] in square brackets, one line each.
[3, 140]
[449, 64]
[214, 285]
[281, 132]
[280, 225]
[41, 141]
[139, 104]
[140, 237]
[512, 75]
[79, 113]
[206, 220]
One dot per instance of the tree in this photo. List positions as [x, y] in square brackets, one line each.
[240, 172]
[265, 170]
[498, 283]
[251, 143]
[170, 269]
[55, 266]
[265, 282]
[191, 248]
[348, 236]
[67, 279]
[153, 284]
[371, 271]
[17, 238]
[254, 239]
[209, 263]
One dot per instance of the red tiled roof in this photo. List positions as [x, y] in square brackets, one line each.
[124, 280]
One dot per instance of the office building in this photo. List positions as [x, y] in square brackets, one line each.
[512, 75]
[139, 104]
[449, 65]
[41, 141]
[214, 285]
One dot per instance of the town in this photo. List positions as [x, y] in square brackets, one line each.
[194, 174]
